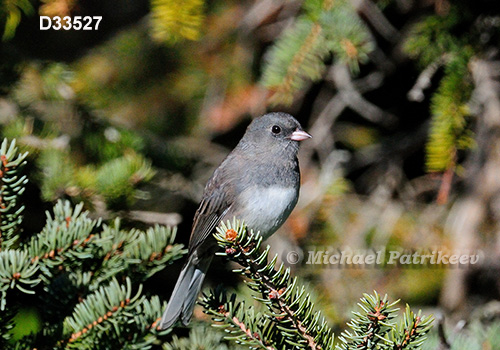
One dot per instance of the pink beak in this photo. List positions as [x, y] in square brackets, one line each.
[300, 135]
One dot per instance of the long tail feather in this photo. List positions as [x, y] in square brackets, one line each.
[186, 290]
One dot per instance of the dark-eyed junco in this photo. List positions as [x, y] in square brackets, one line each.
[258, 182]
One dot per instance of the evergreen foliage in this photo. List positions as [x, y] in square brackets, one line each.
[325, 27]
[16, 272]
[11, 187]
[57, 173]
[288, 319]
[76, 155]
[11, 12]
[86, 276]
[438, 40]
[173, 20]
[450, 130]
[201, 336]
[78, 270]
[434, 37]
[115, 180]
[113, 317]
[374, 327]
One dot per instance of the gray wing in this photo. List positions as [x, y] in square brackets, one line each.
[217, 200]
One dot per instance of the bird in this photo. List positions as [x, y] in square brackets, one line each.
[258, 183]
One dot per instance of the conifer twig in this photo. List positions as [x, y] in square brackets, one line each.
[12, 185]
[289, 306]
[286, 88]
[241, 324]
[290, 319]
[270, 290]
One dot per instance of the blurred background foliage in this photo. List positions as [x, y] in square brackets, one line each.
[401, 96]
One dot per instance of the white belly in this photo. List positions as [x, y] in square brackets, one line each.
[265, 209]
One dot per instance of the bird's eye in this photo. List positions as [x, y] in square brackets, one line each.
[276, 129]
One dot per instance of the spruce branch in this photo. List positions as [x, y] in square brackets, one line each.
[113, 315]
[12, 185]
[140, 253]
[370, 326]
[412, 330]
[289, 306]
[306, 53]
[289, 318]
[6, 325]
[449, 128]
[79, 263]
[173, 21]
[431, 39]
[16, 272]
[116, 179]
[433, 42]
[65, 239]
[244, 324]
[326, 27]
[374, 327]
[153, 249]
[148, 311]
[201, 336]
[57, 172]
